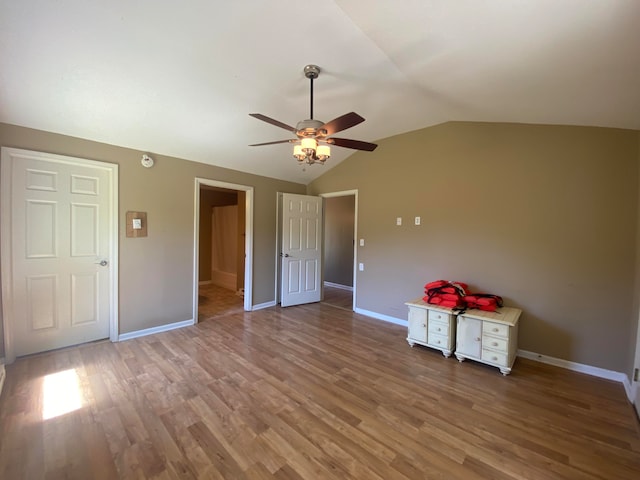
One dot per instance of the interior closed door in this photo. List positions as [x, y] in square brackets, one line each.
[301, 253]
[61, 234]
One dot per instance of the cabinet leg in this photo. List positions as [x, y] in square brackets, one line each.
[411, 344]
[446, 354]
[505, 371]
[460, 359]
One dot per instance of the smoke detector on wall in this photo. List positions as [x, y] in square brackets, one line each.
[146, 161]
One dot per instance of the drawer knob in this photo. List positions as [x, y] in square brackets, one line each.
[438, 341]
[477, 339]
[438, 329]
[494, 359]
[495, 329]
[495, 344]
[424, 325]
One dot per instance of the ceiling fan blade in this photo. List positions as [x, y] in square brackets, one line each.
[355, 144]
[271, 143]
[264, 118]
[347, 120]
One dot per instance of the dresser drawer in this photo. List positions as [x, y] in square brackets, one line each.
[496, 329]
[496, 344]
[438, 341]
[438, 316]
[439, 328]
[495, 358]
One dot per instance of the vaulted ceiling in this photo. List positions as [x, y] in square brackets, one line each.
[180, 78]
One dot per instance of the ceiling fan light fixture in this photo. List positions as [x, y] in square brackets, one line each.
[309, 145]
[323, 152]
[298, 153]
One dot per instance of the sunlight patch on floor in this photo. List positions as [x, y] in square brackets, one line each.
[61, 394]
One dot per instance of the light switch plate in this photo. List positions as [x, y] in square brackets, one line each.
[399, 221]
[132, 232]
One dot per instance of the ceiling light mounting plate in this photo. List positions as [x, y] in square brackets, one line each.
[311, 71]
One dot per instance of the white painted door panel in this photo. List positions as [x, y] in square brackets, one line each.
[469, 336]
[301, 249]
[61, 229]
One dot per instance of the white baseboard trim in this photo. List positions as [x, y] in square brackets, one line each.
[260, 306]
[580, 367]
[205, 282]
[152, 330]
[380, 316]
[338, 285]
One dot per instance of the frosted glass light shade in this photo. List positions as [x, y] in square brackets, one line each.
[298, 152]
[323, 152]
[309, 144]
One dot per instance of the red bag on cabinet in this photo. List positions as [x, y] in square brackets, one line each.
[483, 301]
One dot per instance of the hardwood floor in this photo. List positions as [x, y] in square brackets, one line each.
[309, 392]
[338, 297]
[214, 301]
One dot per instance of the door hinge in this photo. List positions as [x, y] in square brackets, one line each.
[635, 374]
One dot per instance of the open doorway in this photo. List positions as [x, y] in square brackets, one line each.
[223, 239]
[340, 233]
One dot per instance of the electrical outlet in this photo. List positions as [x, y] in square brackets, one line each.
[635, 375]
[399, 221]
[417, 220]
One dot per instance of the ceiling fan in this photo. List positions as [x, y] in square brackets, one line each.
[314, 137]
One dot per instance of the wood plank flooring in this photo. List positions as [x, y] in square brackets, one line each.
[309, 392]
[338, 297]
[214, 301]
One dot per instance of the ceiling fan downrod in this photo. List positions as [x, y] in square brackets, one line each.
[311, 72]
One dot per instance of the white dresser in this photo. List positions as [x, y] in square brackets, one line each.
[432, 326]
[489, 337]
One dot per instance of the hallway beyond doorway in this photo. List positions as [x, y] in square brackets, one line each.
[214, 301]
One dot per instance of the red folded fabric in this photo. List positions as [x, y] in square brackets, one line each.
[445, 299]
[483, 301]
[436, 284]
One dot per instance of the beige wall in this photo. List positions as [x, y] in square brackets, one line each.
[338, 239]
[156, 272]
[543, 215]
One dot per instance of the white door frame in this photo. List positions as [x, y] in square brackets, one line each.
[635, 382]
[248, 240]
[6, 253]
[346, 193]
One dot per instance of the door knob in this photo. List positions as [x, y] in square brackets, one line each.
[286, 255]
[102, 263]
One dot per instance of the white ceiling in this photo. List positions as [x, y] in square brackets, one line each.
[180, 78]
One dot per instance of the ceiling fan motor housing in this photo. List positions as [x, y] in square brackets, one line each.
[310, 128]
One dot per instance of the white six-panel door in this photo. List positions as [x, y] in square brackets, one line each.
[61, 241]
[301, 253]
